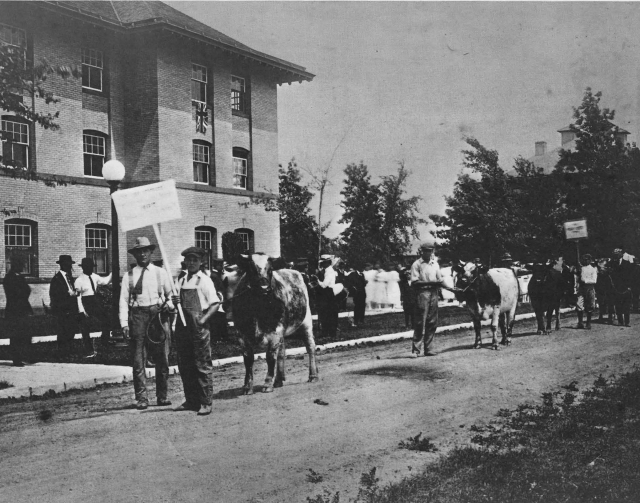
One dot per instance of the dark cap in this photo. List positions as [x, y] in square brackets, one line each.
[65, 258]
[194, 250]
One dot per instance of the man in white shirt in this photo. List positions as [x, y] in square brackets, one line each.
[89, 305]
[587, 279]
[426, 280]
[200, 302]
[145, 303]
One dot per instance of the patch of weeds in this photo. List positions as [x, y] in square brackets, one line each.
[5, 385]
[418, 444]
[314, 477]
[369, 488]
[325, 497]
[571, 386]
[45, 415]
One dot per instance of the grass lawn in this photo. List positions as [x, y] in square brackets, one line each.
[380, 324]
[573, 447]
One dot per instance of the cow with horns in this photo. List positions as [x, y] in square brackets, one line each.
[491, 293]
[267, 305]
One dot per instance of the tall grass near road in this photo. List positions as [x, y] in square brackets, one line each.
[571, 448]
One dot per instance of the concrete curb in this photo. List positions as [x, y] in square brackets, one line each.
[118, 374]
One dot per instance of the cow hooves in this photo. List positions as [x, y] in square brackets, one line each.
[313, 379]
[247, 390]
[278, 384]
[477, 345]
[495, 347]
[539, 332]
[267, 389]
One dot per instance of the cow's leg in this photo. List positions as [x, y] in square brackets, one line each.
[510, 319]
[503, 323]
[477, 328]
[557, 310]
[309, 342]
[280, 361]
[248, 356]
[495, 318]
[272, 355]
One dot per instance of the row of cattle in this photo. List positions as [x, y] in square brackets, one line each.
[269, 303]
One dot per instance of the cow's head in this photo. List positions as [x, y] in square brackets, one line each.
[258, 269]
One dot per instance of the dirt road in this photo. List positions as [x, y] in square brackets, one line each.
[94, 447]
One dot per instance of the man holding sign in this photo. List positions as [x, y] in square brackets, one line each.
[145, 303]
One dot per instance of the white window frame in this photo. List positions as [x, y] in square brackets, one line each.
[94, 150]
[92, 58]
[17, 136]
[8, 235]
[201, 155]
[195, 68]
[99, 238]
[240, 172]
[238, 96]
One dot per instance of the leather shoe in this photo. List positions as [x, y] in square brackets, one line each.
[205, 410]
[162, 402]
[142, 405]
[186, 406]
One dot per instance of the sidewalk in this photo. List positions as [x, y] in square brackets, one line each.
[39, 378]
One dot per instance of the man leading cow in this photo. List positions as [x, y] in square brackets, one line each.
[426, 280]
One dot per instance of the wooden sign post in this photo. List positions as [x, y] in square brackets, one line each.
[149, 205]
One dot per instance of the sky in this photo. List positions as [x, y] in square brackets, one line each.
[411, 80]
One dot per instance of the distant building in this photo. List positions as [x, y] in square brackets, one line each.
[166, 95]
[547, 159]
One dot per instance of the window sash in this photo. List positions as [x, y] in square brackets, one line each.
[246, 240]
[17, 235]
[12, 36]
[95, 238]
[200, 172]
[92, 66]
[203, 239]
[100, 259]
[237, 93]
[239, 172]
[93, 144]
[16, 132]
[198, 83]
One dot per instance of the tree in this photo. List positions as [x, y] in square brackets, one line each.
[478, 221]
[599, 179]
[400, 215]
[20, 78]
[361, 204]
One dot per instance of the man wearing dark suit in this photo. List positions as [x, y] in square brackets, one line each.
[621, 274]
[17, 292]
[64, 303]
[218, 323]
[356, 286]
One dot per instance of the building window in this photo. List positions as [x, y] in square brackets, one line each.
[206, 238]
[240, 168]
[198, 83]
[200, 162]
[96, 238]
[94, 154]
[14, 37]
[92, 66]
[238, 94]
[15, 143]
[20, 241]
[247, 239]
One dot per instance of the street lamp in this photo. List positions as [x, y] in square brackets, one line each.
[113, 172]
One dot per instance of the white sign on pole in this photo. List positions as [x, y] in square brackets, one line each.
[147, 205]
[576, 229]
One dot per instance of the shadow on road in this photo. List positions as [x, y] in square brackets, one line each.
[419, 373]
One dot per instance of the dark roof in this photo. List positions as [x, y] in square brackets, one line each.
[572, 129]
[135, 15]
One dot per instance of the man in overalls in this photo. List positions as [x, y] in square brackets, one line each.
[145, 301]
[199, 302]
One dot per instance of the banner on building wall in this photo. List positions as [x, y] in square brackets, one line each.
[147, 205]
[576, 229]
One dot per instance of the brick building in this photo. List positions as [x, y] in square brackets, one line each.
[149, 73]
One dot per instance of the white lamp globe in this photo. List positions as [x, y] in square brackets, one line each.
[113, 171]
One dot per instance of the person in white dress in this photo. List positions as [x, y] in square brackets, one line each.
[393, 288]
[380, 288]
[369, 275]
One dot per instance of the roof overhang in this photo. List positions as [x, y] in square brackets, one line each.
[286, 71]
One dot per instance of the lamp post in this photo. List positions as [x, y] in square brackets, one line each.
[113, 172]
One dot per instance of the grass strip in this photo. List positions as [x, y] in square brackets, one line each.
[573, 447]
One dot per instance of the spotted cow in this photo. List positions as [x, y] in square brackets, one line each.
[268, 305]
[488, 294]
